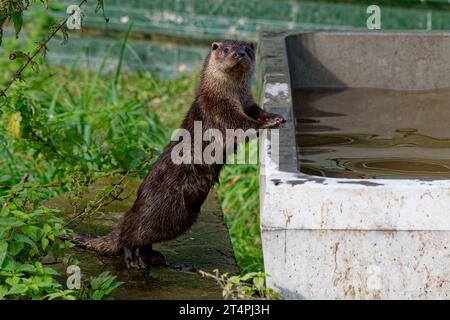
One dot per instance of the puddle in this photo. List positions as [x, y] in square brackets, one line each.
[373, 133]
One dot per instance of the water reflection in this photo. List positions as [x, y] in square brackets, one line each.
[373, 133]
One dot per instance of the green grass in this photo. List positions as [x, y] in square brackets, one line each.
[60, 130]
[239, 196]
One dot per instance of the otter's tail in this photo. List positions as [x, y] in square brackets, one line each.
[105, 245]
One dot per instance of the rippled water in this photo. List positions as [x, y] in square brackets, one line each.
[373, 133]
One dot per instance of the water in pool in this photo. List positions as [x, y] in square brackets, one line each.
[373, 133]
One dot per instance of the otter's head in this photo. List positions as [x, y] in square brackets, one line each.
[232, 57]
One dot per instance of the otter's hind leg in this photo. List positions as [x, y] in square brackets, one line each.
[133, 259]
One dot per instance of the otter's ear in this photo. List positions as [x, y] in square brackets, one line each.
[215, 45]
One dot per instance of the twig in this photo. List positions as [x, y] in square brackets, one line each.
[61, 183]
[110, 196]
[41, 46]
[222, 282]
[48, 144]
[2, 21]
[15, 194]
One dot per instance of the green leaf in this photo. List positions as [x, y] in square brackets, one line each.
[259, 283]
[3, 252]
[43, 282]
[249, 276]
[44, 243]
[14, 128]
[97, 295]
[3, 292]
[3, 232]
[12, 281]
[51, 271]
[23, 238]
[46, 228]
[64, 294]
[18, 289]
[15, 247]
[113, 287]
[98, 281]
[17, 20]
[26, 268]
[54, 295]
[33, 232]
[10, 222]
[8, 265]
[4, 211]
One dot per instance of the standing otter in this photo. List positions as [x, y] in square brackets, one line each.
[169, 198]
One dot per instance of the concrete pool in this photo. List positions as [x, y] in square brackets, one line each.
[355, 205]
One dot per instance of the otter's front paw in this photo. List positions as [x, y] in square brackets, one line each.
[274, 121]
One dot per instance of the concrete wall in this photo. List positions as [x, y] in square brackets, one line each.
[334, 238]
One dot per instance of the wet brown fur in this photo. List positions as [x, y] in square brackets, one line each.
[169, 199]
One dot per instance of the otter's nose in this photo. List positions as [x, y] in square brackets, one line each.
[239, 54]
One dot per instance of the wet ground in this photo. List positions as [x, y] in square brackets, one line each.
[205, 247]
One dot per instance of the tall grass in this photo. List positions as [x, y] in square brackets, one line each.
[238, 192]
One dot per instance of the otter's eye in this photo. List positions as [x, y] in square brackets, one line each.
[226, 50]
[248, 50]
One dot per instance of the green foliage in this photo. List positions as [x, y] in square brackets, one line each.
[29, 232]
[238, 192]
[73, 126]
[60, 130]
[101, 287]
[17, 20]
[251, 286]
[14, 11]
[96, 288]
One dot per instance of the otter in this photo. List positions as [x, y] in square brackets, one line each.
[170, 196]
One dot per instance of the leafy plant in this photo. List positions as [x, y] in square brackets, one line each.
[96, 288]
[13, 10]
[55, 136]
[101, 287]
[60, 134]
[250, 286]
[66, 131]
[29, 232]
